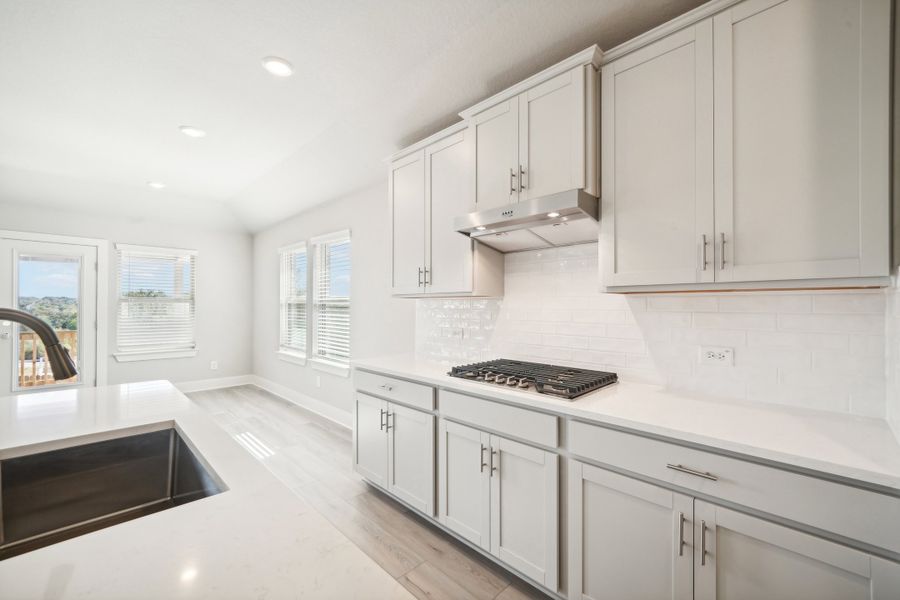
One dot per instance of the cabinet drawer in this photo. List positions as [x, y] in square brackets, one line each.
[863, 515]
[528, 425]
[396, 390]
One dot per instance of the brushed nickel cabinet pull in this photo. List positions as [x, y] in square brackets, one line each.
[702, 543]
[420, 277]
[722, 263]
[681, 534]
[690, 471]
[494, 468]
[512, 182]
[703, 258]
[427, 280]
[381, 419]
[521, 178]
[387, 422]
[483, 464]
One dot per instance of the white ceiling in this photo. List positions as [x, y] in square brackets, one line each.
[92, 93]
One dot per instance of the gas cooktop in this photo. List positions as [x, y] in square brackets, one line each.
[564, 382]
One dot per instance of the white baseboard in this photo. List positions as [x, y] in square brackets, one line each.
[322, 409]
[200, 385]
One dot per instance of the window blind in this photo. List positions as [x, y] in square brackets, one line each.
[331, 298]
[156, 299]
[293, 299]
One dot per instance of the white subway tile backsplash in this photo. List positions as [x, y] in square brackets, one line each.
[872, 303]
[823, 350]
[849, 323]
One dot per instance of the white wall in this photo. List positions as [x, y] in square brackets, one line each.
[823, 350]
[223, 292]
[379, 323]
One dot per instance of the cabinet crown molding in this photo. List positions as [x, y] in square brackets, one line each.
[434, 137]
[669, 27]
[589, 56]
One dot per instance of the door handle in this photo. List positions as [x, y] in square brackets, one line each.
[512, 182]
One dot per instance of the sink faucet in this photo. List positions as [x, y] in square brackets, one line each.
[60, 362]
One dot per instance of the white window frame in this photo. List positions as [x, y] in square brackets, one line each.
[335, 367]
[134, 355]
[288, 354]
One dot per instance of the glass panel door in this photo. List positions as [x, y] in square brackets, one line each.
[58, 284]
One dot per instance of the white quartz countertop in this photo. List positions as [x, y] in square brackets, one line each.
[254, 540]
[857, 448]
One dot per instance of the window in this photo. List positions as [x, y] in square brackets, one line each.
[156, 316]
[293, 296]
[331, 302]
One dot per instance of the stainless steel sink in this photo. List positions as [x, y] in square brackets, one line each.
[51, 496]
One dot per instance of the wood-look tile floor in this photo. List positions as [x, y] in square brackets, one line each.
[312, 456]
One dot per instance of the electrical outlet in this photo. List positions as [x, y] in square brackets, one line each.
[213, 365]
[715, 355]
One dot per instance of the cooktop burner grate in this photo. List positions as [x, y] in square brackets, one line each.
[565, 382]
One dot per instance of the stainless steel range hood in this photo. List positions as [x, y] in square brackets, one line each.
[561, 219]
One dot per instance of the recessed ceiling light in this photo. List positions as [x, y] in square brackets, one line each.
[277, 66]
[552, 215]
[192, 131]
[156, 185]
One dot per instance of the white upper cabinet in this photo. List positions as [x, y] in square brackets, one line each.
[496, 132]
[540, 136]
[657, 207]
[750, 146]
[406, 187]
[430, 185]
[802, 139]
[558, 135]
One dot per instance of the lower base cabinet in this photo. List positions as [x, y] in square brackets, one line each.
[503, 496]
[633, 540]
[395, 449]
[744, 557]
[628, 540]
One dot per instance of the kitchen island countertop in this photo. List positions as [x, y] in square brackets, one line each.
[255, 540]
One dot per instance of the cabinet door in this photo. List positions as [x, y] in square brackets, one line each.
[449, 194]
[657, 180]
[740, 557]
[552, 135]
[496, 132]
[802, 139]
[464, 482]
[628, 539]
[411, 456]
[524, 509]
[370, 456]
[407, 195]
